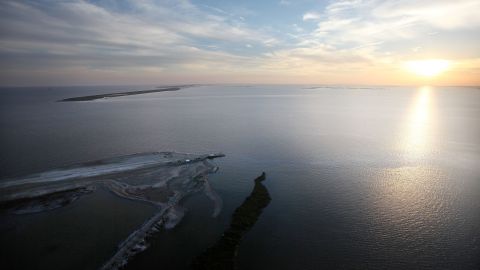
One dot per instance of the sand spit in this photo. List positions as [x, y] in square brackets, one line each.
[129, 93]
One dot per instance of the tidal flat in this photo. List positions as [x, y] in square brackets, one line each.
[161, 179]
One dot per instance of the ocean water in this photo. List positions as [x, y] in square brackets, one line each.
[360, 177]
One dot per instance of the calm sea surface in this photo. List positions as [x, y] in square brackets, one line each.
[360, 178]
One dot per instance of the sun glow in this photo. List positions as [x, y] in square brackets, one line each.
[427, 68]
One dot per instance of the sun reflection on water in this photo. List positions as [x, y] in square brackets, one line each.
[416, 141]
[407, 196]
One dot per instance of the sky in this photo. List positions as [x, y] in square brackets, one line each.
[107, 42]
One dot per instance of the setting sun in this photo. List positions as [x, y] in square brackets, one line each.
[428, 68]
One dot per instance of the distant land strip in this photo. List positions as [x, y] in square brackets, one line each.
[129, 93]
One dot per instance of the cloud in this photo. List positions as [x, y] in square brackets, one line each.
[356, 36]
[366, 21]
[101, 36]
[311, 16]
[391, 25]
[441, 14]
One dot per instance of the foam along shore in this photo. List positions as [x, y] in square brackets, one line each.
[129, 93]
[161, 179]
[222, 255]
